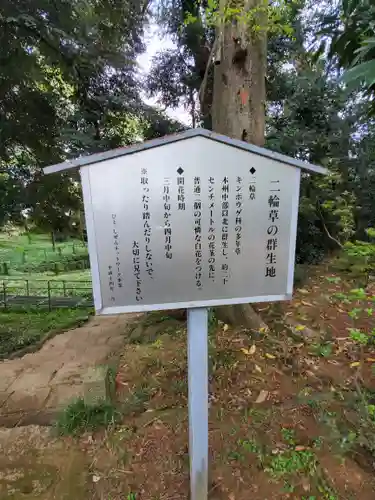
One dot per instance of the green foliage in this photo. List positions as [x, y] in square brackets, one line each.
[357, 433]
[292, 462]
[357, 336]
[348, 30]
[360, 336]
[250, 446]
[31, 253]
[23, 328]
[275, 14]
[78, 418]
[288, 436]
[323, 350]
[73, 91]
[359, 259]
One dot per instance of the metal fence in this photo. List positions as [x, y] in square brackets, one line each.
[45, 293]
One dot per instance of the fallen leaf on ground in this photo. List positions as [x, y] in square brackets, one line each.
[371, 360]
[353, 365]
[300, 448]
[258, 368]
[249, 352]
[299, 328]
[263, 395]
[225, 328]
[307, 303]
[270, 356]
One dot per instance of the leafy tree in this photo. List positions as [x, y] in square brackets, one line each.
[176, 75]
[68, 86]
[347, 33]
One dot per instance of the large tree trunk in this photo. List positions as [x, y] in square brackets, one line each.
[240, 80]
[239, 100]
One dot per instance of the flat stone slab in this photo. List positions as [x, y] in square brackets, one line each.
[44, 382]
[63, 394]
[30, 401]
[96, 385]
[71, 372]
[33, 378]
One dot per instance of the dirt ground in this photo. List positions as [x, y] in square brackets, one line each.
[284, 420]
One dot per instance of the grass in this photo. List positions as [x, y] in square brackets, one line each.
[78, 417]
[34, 253]
[26, 255]
[36, 246]
[20, 328]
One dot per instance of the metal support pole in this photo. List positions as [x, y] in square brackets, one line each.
[198, 401]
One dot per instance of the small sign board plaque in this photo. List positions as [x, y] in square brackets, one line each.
[190, 221]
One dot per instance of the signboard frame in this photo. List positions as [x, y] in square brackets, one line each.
[94, 263]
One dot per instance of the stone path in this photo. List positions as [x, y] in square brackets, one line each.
[34, 388]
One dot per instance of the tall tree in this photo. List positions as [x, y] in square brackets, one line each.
[68, 86]
[177, 74]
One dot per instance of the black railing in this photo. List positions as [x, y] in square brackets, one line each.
[45, 293]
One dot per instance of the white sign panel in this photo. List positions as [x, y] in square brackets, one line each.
[192, 223]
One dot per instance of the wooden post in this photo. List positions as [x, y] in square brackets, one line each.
[5, 294]
[49, 296]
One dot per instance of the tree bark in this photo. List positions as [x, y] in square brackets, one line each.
[239, 100]
[240, 80]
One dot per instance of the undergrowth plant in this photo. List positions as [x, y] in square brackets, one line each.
[79, 417]
[361, 256]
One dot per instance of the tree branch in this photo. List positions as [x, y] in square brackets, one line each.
[203, 86]
[326, 229]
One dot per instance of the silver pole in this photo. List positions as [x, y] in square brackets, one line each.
[198, 401]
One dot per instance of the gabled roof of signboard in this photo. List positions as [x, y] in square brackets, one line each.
[188, 134]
